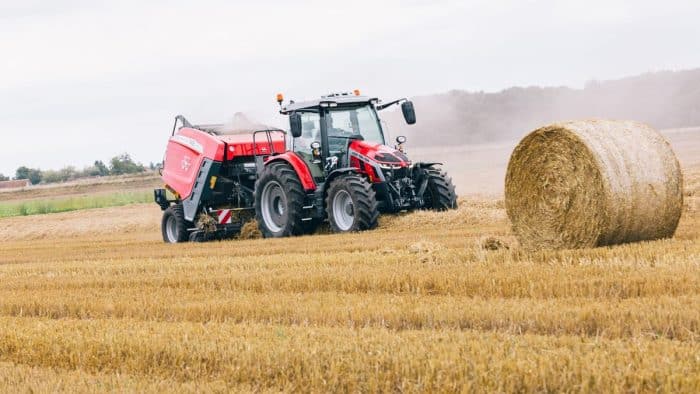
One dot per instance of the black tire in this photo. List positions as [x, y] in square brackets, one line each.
[174, 226]
[440, 193]
[279, 202]
[357, 207]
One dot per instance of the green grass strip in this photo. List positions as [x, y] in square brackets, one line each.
[66, 204]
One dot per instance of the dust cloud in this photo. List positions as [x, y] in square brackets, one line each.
[473, 133]
[242, 123]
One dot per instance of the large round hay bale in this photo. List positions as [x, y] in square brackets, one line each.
[593, 183]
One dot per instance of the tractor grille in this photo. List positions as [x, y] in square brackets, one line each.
[401, 173]
[396, 173]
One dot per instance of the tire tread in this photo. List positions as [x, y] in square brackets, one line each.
[441, 189]
[182, 224]
[288, 179]
[364, 199]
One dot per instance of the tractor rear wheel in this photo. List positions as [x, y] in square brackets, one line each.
[440, 194]
[279, 202]
[351, 204]
[174, 226]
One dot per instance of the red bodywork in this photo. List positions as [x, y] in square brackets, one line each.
[377, 153]
[372, 149]
[299, 166]
[187, 149]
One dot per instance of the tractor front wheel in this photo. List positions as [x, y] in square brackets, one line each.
[279, 201]
[440, 193]
[174, 226]
[351, 204]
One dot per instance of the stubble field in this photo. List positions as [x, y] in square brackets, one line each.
[92, 300]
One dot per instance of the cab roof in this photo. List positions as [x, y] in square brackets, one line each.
[337, 98]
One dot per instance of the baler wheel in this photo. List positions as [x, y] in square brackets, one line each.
[174, 226]
[440, 194]
[279, 201]
[351, 204]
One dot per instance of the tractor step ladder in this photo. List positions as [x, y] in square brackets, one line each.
[307, 208]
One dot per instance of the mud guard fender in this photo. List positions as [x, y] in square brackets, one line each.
[299, 166]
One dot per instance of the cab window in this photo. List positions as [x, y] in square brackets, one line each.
[310, 132]
[362, 120]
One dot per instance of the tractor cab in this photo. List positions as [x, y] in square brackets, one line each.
[326, 131]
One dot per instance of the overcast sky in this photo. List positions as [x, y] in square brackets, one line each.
[86, 80]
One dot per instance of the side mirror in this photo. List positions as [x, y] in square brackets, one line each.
[409, 114]
[295, 124]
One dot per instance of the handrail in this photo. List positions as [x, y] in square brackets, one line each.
[259, 158]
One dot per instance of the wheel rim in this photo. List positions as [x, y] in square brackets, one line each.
[171, 229]
[343, 210]
[273, 206]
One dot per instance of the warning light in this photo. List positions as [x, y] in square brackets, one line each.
[280, 98]
[357, 92]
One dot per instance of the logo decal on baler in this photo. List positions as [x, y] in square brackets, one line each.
[186, 163]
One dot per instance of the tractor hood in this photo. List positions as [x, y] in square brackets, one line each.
[382, 154]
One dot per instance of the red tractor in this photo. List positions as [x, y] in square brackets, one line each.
[336, 167]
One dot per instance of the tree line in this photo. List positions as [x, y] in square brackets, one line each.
[118, 165]
[668, 99]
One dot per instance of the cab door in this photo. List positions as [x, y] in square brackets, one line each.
[310, 133]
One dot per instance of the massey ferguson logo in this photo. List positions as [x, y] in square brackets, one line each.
[185, 163]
